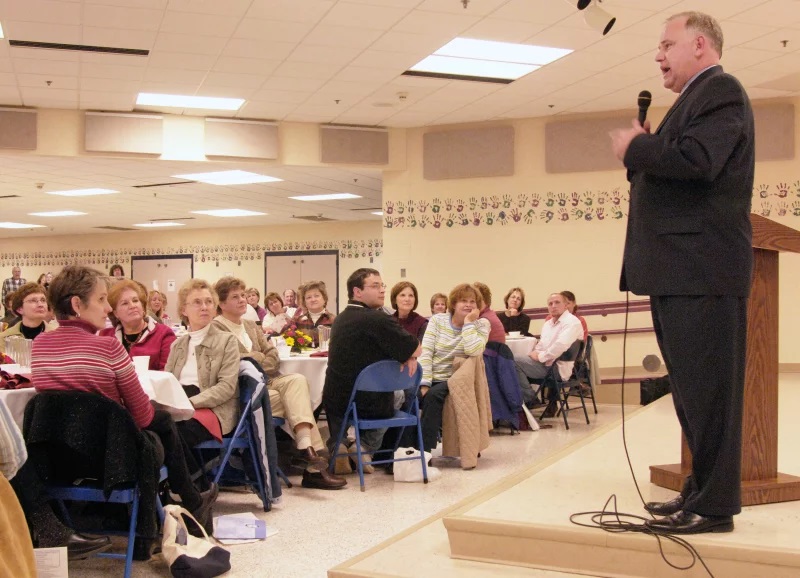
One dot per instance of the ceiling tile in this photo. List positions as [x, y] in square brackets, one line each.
[174, 75]
[138, 39]
[191, 43]
[129, 18]
[410, 43]
[291, 84]
[290, 10]
[306, 70]
[768, 13]
[363, 16]
[50, 11]
[281, 96]
[93, 70]
[38, 32]
[736, 58]
[445, 25]
[774, 41]
[109, 85]
[228, 8]
[502, 30]
[545, 12]
[124, 60]
[363, 74]
[8, 79]
[274, 30]
[258, 109]
[342, 36]
[262, 48]
[322, 54]
[58, 83]
[192, 23]
[392, 60]
[48, 67]
[98, 100]
[255, 67]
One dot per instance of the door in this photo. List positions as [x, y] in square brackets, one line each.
[165, 273]
[289, 269]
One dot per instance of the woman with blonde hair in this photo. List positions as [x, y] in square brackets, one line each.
[157, 306]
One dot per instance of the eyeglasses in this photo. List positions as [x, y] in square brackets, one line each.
[198, 303]
[36, 301]
[375, 286]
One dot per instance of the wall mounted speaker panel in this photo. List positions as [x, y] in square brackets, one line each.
[468, 153]
[18, 129]
[124, 133]
[353, 145]
[241, 138]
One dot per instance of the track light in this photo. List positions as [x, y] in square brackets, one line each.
[597, 18]
[583, 4]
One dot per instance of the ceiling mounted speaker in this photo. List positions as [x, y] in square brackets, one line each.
[598, 19]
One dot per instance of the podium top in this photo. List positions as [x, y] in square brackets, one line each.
[768, 234]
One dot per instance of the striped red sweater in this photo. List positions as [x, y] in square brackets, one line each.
[73, 358]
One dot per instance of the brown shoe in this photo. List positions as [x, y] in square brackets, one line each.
[310, 457]
[322, 480]
[342, 465]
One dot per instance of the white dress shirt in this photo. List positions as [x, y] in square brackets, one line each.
[557, 336]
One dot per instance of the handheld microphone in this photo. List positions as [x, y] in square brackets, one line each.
[644, 103]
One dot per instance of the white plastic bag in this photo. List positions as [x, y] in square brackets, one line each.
[411, 470]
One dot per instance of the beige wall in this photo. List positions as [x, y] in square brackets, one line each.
[540, 256]
[226, 250]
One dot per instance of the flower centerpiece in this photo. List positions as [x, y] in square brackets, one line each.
[296, 339]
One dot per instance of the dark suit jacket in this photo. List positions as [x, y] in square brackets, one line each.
[689, 227]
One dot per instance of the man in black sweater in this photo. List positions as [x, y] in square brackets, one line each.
[363, 334]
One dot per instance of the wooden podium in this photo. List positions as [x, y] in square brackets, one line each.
[761, 481]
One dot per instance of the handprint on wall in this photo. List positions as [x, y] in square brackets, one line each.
[588, 199]
[502, 217]
[507, 201]
[547, 216]
[424, 221]
[763, 191]
[476, 218]
[782, 209]
[551, 199]
[389, 207]
[495, 201]
[577, 213]
[422, 206]
[766, 209]
[437, 205]
[563, 215]
[535, 200]
[783, 190]
[489, 219]
[516, 215]
[522, 200]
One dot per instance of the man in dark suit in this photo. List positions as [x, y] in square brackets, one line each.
[688, 246]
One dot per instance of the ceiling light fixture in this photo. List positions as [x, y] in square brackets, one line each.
[159, 224]
[229, 213]
[228, 178]
[184, 101]
[58, 214]
[9, 225]
[82, 192]
[486, 60]
[331, 197]
[594, 16]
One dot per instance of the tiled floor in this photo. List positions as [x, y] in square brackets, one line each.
[319, 529]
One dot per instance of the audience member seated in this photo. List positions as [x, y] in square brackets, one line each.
[459, 332]
[9, 318]
[438, 303]
[30, 303]
[559, 332]
[513, 318]
[157, 307]
[291, 398]
[254, 299]
[138, 333]
[28, 496]
[404, 299]
[74, 358]
[572, 307]
[116, 272]
[314, 298]
[45, 279]
[362, 335]
[290, 302]
[276, 319]
[496, 331]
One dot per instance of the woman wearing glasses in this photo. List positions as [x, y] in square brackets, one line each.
[30, 303]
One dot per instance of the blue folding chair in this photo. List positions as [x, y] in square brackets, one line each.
[383, 376]
[95, 493]
[244, 437]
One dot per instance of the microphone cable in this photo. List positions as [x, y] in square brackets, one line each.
[623, 522]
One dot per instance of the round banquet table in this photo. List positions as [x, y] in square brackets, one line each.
[313, 368]
[521, 346]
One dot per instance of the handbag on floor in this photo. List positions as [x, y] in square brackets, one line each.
[186, 555]
[411, 470]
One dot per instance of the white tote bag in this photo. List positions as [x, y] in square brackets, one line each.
[187, 555]
[411, 470]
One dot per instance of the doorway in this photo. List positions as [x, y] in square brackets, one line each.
[288, 269]
[164, 273]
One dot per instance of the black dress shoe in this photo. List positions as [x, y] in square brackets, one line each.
[684, 522]
[80, 546]
[551, 410]
[322, 480]
[665, 508]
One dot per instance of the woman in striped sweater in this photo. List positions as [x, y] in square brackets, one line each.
[74, 358]
[457, 333]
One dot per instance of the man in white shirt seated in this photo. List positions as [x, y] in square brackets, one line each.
[290, 302]
[559, 332]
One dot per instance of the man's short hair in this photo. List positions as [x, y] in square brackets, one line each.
[703, 24]
[398, 288]
[463, 291]
[356, 279]
[19, 296]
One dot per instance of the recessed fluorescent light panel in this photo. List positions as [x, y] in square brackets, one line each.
[331, 197]
[229, 213]
[8, 225]
[485, 60]
[183, 101]
[83, 192]
[159, 224]
[228, 178]
[58, 214]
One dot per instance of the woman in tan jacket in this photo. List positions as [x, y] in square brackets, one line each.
[206, 362]
[289, 394]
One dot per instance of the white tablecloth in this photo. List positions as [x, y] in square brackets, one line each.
[313, 368]
[160, 386]
[521, 347]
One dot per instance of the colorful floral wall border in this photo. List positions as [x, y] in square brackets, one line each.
[780, 200]
[104, 258]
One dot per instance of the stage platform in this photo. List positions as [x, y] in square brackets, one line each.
[521, 527]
